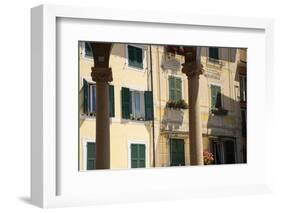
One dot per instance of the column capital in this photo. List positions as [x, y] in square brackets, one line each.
[192, 69]
[101, 74]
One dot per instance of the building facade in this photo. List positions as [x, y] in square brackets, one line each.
[149, 109]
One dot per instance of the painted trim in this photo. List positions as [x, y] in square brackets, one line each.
[130, 142]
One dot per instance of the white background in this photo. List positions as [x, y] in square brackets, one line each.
[15, 106]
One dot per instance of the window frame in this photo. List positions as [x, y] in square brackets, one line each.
[143, 58]
[168, 86]
[221, 89]
[85, 56]
[87, 115]
[211, 59]
[142, 142]
[85, 152]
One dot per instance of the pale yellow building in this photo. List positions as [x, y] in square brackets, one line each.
[139, 93]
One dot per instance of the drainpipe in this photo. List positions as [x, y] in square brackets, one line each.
[153, 130]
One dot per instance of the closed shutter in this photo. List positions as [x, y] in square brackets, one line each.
[172, 95]
[86, 96]
[91, 156]
[177, 152]
[126, 102]
[175, 92]
[214, 52]
[137, 156]
[178, 89]
[148, 99]
[141, 151]
[111, 101]
[135, 56]
[139, 57]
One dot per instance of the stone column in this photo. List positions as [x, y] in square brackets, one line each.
[193, 71]
[102, 76]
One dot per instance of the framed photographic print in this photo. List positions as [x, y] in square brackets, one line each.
[130, 106]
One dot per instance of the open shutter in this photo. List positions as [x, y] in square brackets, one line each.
[148, 105]
[213, 96]
[111, 101]
[126, 102]
[218, 101]
[86, 96]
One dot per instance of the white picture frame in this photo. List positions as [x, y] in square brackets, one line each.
[46, 172]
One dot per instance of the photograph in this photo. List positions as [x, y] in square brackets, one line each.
[145, 106]
[150, 105]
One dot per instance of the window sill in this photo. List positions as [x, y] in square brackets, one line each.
[125, 120]
[138, 69]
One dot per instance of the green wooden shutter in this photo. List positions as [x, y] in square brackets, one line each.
[91, 156]
[137, 156]
[148, 102]
[141, 152]
[139, 59]
[111, 101]
[131, 55]
[177, 152]
[215, 96]
[135, 56]
[218, 102]
[171, 88]
[134, 156]
[214, 52]
[126, 102]
[86, 96]
[178, 94]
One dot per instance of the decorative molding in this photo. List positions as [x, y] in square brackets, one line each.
[193, 69]
[101, 74]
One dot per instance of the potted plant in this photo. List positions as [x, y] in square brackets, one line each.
[208, 157]
[180, 104]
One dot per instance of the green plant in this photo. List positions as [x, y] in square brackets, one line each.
[180, 104]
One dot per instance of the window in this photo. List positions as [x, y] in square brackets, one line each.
[91, 155]
[175, 92]
[216, 102]
[90, 99]
[88, 50]
[214, 53]
[224, 151]
[136, 105]
[135, 57]
[137, 155]
[243, 85]
[137, 102]
[177, 152]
